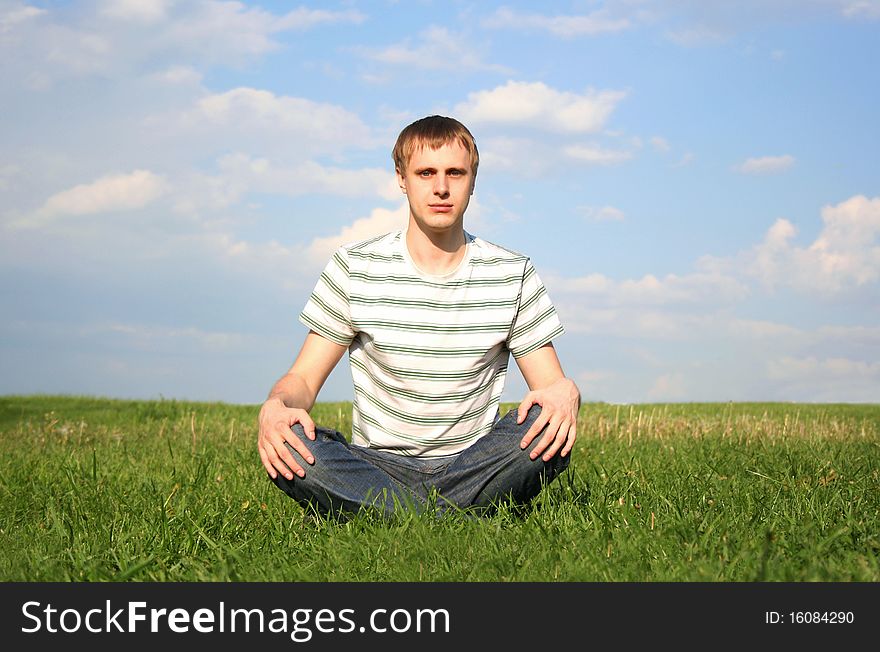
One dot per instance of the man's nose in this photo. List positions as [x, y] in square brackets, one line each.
[441, 187]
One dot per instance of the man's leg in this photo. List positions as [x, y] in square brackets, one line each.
[341, 480]
[495, 468]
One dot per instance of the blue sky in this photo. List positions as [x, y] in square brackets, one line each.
[697, 183]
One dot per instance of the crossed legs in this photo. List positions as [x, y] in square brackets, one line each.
[347, 478]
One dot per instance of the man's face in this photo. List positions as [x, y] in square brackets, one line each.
[438, 184]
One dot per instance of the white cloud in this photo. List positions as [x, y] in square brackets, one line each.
[7, 172]
[596, 155]
[221, 30]
[845, 255]
[701, 323]
[19, 13]
[199, 194]
[761, 329]
[597, 22]
[689, 23]
[696, 22]
[540, 106]
[695, 36]
[602, 213]
[146, 337]
[860, 8]
[847, 248]
[700, 311]
[591, 382]
[280, 127]
[799, 368]
[686, 159]
[520, 155]
[147, 11]
[533, 156]
[115, 192]
[114, 37]
[769, 260]
[826, 378]
[239, 258]
[766, 164]
[65, 50]
[304, 18]
[686, 22]
[436, 48]
[861, 335]
[696, 288]
[242, 173]
[179, 75]
[294, 120]
[660, 144]
[380, 220]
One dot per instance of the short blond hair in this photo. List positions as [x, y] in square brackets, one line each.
[433, 131]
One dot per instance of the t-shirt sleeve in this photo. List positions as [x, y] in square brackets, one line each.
[536, 321]
[328, 311]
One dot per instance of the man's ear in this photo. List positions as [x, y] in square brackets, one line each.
[400, 180]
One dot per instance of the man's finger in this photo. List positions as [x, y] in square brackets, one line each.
[308, 427]
[532, 432]
[523, 410]
[286, 433]
[549, 435]
[572, 436]
[290, 462]
[265, 459]
[298, 445]
[559, 440]
[286, 466]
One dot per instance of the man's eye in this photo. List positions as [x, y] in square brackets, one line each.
[425, 173]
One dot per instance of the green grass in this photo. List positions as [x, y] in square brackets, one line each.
[106, 490]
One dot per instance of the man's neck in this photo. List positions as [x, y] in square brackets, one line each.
[435, 252]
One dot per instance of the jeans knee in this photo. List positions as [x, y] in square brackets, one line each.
[531, 416]
[508, 422]
[309, 490]
[318, 449]
[557, 463]
[560, 463]
[519, 430]
[297, 430]
[322, 436]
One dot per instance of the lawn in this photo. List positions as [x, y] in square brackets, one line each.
[108, 490]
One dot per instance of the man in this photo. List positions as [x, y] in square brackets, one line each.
[429, 316]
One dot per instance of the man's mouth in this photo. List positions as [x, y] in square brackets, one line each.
[440, 208]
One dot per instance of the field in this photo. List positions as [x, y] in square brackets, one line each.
[105, 490]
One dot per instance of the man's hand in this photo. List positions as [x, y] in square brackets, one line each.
[559, 403]
[275, 428]
[298, 387]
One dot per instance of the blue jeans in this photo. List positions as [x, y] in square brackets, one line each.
[347, 478]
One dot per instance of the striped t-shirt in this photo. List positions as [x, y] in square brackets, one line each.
[428, 354]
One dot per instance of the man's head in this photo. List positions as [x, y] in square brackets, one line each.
[436, 163]
[433, 132]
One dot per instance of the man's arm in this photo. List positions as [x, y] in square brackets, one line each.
[558, 397]
[289, 402]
